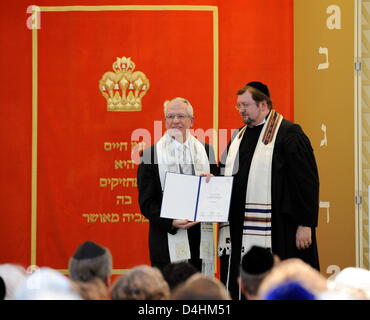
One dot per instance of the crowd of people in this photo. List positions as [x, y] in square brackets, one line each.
[263, 276]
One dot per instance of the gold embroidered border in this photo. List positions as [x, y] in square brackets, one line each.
[271, 128]
[212, 9]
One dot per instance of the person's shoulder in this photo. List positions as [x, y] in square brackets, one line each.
[292, 134]
[290, 127]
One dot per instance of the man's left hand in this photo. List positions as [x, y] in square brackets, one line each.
[303, 237]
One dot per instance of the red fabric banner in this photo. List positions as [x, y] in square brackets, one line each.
[67, 172]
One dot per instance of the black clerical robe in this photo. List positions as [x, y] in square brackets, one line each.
[294, 197]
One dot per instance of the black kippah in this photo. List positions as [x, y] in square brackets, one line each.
[257, 260]
[88, 250]
[259, 86]
[2, 289]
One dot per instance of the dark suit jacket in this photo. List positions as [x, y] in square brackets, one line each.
[150, 200]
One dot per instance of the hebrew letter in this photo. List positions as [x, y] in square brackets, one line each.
[326, 205]
[103, 182]
[107, 146]
[115, 183]
[324, 65]
[118, 164]
[124, 216]
[94, 217]
[115, 217]
[86, 215]
[138, 217]
[120, 199]
[128, 200]
[324, 141]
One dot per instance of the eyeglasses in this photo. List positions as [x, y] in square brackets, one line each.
[243, 106]
[180, 116]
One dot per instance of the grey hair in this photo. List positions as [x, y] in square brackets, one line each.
[141, 283]
[189, 107]
[85, 270]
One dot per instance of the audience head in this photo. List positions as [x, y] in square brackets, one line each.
[91, 261]
[141, 283]
[13, 276]
[47, 284]
[351, 282]
[358, 278]
[293, 270]
[201, 287]
[335, 294]
[177, 272]
[2, 289]
[95, 289]
[255, 266]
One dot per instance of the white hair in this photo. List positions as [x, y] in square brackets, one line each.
[13, 275]
[189, 107]
[46, 283]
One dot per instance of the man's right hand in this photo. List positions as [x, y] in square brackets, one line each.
[183, 224]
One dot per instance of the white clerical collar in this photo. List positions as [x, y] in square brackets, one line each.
[261, 123]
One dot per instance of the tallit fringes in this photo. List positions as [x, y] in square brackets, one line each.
[208, 268]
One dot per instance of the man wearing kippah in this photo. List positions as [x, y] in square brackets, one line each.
[275, 199]
[90, 261]
[256, 264]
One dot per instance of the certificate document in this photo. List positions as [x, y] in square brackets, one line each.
[192, 198]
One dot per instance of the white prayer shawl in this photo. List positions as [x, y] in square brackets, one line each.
[257, 218]
[168, 161]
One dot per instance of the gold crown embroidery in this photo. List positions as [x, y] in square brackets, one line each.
[124, 89]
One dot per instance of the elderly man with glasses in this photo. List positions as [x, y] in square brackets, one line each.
[178, 151]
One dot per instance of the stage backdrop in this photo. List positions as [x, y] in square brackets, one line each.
[82, 91]
[324, 70]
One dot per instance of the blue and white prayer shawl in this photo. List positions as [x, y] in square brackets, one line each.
[257, 216]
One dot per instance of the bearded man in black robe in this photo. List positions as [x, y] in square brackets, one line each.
[275, 197]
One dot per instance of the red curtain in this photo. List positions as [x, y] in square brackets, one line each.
[85, 178]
